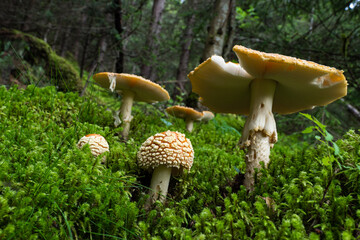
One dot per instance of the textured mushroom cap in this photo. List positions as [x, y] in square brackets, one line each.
[97, 144]
[184, 112]
[225, 87]
[145, 90]
[207, 116]
[168, 148]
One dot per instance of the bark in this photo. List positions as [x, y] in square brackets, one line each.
[77, 40]
[152, 46]
[119, 64]
[231, 30]
[25, 26]
[85, 46]
[216, 37]
[353, 110]
[64, 42]
[97, 62]
[181, 75]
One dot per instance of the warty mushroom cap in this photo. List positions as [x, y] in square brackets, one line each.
[225, 87]
[168, 148]
[144, 89]
[97, 144]
[184, 112]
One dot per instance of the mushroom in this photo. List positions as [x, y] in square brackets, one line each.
[167, 152]
[261, 84]
[133, 88]
[189, 114]
[97, 144]
[207, 116]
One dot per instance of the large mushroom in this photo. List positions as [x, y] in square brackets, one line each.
[188, 114]
[263, 83]
[132, 88]
[165, 153]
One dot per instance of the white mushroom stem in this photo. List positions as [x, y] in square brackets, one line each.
[259, 133]
[189, 124]
[159, 184]
[125, 111]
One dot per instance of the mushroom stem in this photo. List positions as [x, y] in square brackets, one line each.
[159, 184]
[259, 133]
[189, 124]
[125, 112]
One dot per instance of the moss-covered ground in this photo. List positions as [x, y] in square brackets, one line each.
[49, 189]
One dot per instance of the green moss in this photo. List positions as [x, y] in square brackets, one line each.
[37, 52]
[50, 189]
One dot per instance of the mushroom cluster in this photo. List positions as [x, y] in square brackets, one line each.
[164, 153]
[260, 84]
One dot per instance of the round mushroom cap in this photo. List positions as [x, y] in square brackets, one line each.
[97, 144]
[184, 112]
[207, 116]
[168, 148]
[144, 89]
[225, 87]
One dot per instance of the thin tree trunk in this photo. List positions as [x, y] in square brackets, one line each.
[181, 75]
[353, 110]
[97, 62]
[119, 64]
[230, 31]
[83, 57]
[64, 42]
[218, 29]
[152, 46]
[77, 41]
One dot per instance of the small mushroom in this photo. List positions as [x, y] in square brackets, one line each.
[167, 152]
[263, 83]
[188, 114]
[97, 144]
[132, 88]
[207, 116]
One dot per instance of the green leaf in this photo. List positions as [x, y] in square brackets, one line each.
[336, 149]
[328, 136]
[308, 129]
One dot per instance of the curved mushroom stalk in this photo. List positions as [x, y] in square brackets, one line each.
[189, 124]
[159, 184]
[259, 133]
[125, 112]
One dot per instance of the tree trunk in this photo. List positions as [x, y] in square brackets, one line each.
[181, 75]
[152, 46]
[97, 62]
[119, 64]
[353, 110]
[219, 24]
[64, 42]
[230, 32]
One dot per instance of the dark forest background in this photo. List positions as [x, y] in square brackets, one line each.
[164, 40]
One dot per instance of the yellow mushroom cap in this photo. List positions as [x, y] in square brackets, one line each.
[207, 116]
[300, 84]
[184, 112]
[97, 144]
[168, 148]
[144, 89]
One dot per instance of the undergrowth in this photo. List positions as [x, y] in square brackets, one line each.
[50, 189]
